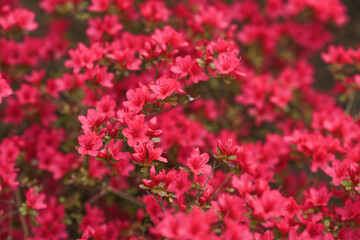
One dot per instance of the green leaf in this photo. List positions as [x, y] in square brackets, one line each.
[24, 209]
[216, 156]
[161, 193]
[200, 62]
[114, 160]
[142, 186]
[232, 157]
[327, 223]
[172, 103]
[230, 164]
[184, 169]
[345, 183]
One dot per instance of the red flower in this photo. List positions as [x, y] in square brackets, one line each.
[337, 55]
[226, 149]
[27, 94]
[83, 56]
[197, 162]
[21, 17]
[100, 76]
[317, 197]
[183, 65]
[136, 131]
[197, 73]
[338, 171]
[115, 149]
[165, 86]
[181, 185]
[146, 153]
[153, 131]
[350, 210]
[269, 205]
[156, 179]
[106, 106]
[126, 59]
[35, 201]
[99, 5]
[169, 38]
[136, 99]
[25, 19]
[111, 25]
[50, 222]
[227, 62]
[154, 11]
[5, 89]
[90, 142]
[93, 119]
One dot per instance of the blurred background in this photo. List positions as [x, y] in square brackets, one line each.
[348, 35]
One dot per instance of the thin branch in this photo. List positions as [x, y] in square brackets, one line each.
[8, 215]
[22, 218]
[160, 203]
[200, 191]
[156, 113]
[95, 197]
[127, 197]
[350, 103]
[221, 186]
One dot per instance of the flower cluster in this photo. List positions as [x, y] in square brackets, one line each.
[160, 119]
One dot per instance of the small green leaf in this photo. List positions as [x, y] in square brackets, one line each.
[161, 193]
[172, 98]
[216, 156]
[232, 157]
[24, 209]
[114, 160]
[142, 186]
[345, 183]
[184, 169]
[200, 62]
[172, 103]
[327, 223]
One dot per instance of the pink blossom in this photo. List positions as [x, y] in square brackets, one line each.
[197, 162]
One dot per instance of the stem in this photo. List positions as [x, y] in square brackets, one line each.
[157, 71]
[95, 197]
[156, 113]
[127, 197]
[350, 103]
[160, 203]
[22, 218]
[221, 186]
[201, 190]
[8, 215]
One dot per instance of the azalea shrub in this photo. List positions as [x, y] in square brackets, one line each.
[197, 119]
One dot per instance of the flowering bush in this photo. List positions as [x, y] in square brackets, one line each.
[153, 119]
